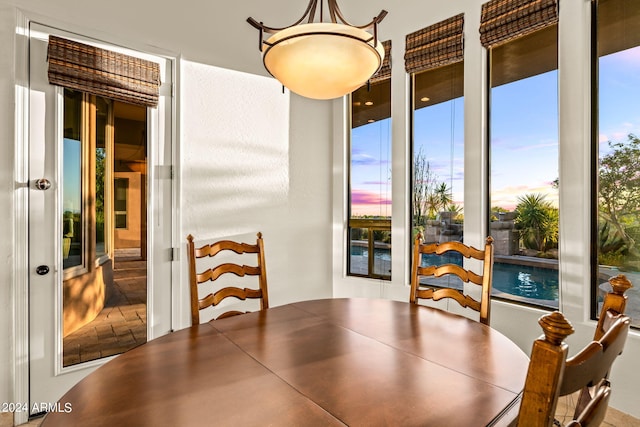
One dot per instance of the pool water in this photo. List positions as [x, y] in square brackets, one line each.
[380, 254]
[527, 282]
[530, 284]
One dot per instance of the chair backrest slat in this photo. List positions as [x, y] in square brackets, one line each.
[421, 290]
[593, 362]
[214, 273]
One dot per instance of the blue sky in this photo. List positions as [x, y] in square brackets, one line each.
[71, 190]
[524, 137]
[620, 94]
[439, 133]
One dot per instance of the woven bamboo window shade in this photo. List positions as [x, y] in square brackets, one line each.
[385, 70]
[504, 20]
[102, 72]
[436, 45]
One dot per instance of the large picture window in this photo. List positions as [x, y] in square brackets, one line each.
[434, 58]
[523, 138]
[438, 154]
[370, 182]
[616, 230]
[369, 224]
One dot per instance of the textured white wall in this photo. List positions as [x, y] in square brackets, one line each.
[244, 169]
[234, 149]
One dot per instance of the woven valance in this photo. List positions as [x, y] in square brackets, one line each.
[102, 72]
[504, 20]
[385, 71]
[436, 45]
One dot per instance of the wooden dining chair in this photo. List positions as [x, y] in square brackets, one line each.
[219, 270]
[551, 374]
[595, 411]
[425, 289]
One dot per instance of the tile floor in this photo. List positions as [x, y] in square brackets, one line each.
[614, 418]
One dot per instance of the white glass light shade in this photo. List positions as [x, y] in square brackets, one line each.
[322, 60]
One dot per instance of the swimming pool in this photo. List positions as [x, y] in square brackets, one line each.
[528, 284]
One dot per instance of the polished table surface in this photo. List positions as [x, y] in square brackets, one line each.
[323, 362]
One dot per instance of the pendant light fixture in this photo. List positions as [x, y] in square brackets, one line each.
[321, 60]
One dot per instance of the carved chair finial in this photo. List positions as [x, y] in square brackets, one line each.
[620, 284]
[555, 327]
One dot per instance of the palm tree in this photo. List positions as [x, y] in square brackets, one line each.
[537, 220]
[432, 205]
[443, 196]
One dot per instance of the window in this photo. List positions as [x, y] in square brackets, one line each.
[370, 178]
[121, 187]
[616, 229]
[523, 138]
[103, 172]
[438, 154]
[85, 194]
[435, 60]
[73, 214]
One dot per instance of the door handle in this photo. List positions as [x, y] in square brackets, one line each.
[42, 270]
[42, 184]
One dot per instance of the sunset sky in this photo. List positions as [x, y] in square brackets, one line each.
[524, 137]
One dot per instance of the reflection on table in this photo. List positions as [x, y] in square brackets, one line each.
[323, 362]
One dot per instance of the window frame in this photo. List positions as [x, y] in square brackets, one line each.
[596, 277]
[371, 224]
[489, 203]
[593, 163]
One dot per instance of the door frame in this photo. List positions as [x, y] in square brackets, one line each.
[21, 355]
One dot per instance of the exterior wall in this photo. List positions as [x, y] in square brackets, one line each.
[130, 237]
[505, 237]
[84, 297]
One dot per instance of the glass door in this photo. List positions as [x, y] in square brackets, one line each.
[100, 226]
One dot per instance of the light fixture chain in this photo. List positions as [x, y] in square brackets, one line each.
[334, 11]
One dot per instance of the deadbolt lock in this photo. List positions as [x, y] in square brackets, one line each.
[42, 269]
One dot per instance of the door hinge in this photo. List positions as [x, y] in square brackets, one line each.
[175, 254]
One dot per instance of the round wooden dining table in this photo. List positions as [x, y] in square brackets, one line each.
[356, 362]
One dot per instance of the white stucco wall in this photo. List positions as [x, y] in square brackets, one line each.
[245, 169]
[304, 175]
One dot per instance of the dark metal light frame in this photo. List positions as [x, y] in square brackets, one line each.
[335, 14]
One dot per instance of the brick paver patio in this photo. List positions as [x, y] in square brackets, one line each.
[122, 324]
